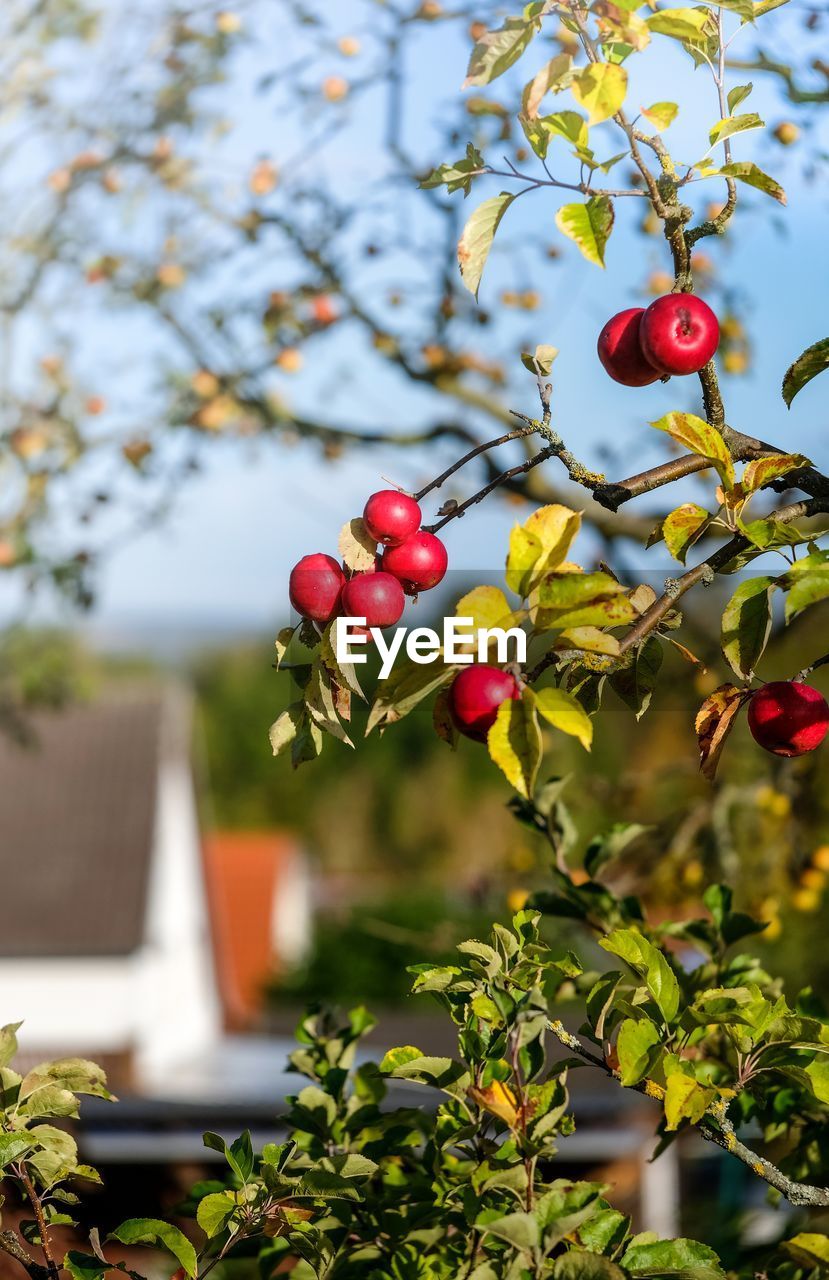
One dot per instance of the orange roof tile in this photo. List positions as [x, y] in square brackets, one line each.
[243, 871]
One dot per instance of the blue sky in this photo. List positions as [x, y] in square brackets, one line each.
[225, 552]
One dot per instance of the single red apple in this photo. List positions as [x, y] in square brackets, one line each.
[620, 350]
[475, 695]
[788, 718]
[315, 585]
[391, 517]
[419, 563]
[377, 597]
[679, 333]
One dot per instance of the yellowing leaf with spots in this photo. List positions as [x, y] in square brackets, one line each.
[476, 240]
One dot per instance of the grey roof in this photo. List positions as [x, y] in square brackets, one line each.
[76, 828]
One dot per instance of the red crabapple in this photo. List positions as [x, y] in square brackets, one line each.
[315, 585]
[620, 350]
[475, 695]
[391, 517]
[418, 563]
[679, 333]
[377, 597]
[788, 718]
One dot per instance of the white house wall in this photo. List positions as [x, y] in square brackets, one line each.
[162, 1001]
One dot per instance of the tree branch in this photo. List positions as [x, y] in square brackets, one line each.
[717, 1129]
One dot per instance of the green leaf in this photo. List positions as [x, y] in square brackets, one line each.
[496, 51]
[746, 625]
[682, 527]
[564, 712]
[12, 1146]
[476, 240]
[576, 1264]
[737, 95]
[518, 1229]
[701, 438]
[514, 742]
[214, 1211]
[408, 684]
[734, 124]
[568, 600]
[588, 225]
[680, 24]
[650, 963]
[634, 1046]
[611, 844]
[153, 1232]
[684, 1258]
[399, 1057]
[8, 1042]
[806, 586]
[540, 361]
[600, 88]
[285, 728]
[818, 1073]
[747, 171]
[458, 176]
[635, 684]
[661, 114]
[814, 360]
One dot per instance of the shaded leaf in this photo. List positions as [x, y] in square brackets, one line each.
[714, 721]
[814, 360]
[746, 625]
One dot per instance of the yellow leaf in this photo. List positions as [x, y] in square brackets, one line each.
[486, 606]
[566, 713]
[591, 639]
[356, 546]
[685, 1099]
[498, 1099]
[701, 438]
[600, 89]
[514, 742]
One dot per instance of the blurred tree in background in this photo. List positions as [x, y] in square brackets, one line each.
[183, 232]
[184, 256]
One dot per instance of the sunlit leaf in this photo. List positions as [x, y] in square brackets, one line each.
[476, 240]
[514, 742]
[600, 88]
[588, 225]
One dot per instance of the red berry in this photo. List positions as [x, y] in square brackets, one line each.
[788, 718]
[476, 694]
[315, 585]
[377, 597]
[391, 517]
[621, 353]
[679, 333]
[419, 563]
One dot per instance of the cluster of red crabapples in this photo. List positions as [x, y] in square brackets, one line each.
[412, 560]
[676, 335]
